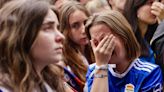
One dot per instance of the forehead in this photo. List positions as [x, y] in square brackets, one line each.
[51, 17]
[100, 29]
[74, 17]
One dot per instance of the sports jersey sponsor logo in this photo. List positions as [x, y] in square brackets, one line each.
[129, 88]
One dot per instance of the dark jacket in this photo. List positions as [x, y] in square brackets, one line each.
[157, 44]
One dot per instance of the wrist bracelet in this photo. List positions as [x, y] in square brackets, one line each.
[100, 75]
[102, 67]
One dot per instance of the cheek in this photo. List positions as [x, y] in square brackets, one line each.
[144, 12]
[43, 45]
[75, 36]
[40, 49]
[120, 50]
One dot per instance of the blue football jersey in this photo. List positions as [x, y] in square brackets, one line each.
[139, 77]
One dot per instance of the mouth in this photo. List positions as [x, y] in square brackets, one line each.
[59, 49]
[84, 38]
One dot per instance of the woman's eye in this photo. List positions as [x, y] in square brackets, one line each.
[76, 25]
[47, 28]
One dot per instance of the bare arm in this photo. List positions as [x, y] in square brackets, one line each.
[100, 84]
[102, 54]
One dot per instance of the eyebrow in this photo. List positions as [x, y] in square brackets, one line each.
[78, 21]
[48, 23]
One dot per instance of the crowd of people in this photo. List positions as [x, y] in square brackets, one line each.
[81, 45]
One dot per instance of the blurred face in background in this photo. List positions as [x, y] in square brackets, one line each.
[59, 3]
[144, 13]
[77, 24]
[117, 4]
[83, 1]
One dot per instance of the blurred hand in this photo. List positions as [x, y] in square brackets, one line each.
[103, 50]
[158, 10]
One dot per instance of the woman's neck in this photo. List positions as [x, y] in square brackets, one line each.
[82, 49]
[143, 27]
[122, 67]
[38, 67]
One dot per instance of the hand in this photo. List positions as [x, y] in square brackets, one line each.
[158, 10]
[103, 50]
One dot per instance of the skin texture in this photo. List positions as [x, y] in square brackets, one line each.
[104, 41]
[158, 10]
[144, 13]
[77, 23]
[47, 47]
[117, 4]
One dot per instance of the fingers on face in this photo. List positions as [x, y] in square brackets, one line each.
[157, 6]
[108, 46]
[102, 42]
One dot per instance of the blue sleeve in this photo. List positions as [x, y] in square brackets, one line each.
[89, 78]
[153, 82]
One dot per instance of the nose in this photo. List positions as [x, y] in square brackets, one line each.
[59, 37]
[83, 28]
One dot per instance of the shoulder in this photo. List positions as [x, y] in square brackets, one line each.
[158, 33]
[151, 74]
[145, 67]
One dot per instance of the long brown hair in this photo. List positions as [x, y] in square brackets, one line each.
[20, 22]
[71, 48]
[130, 13]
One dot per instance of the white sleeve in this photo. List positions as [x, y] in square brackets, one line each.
[85, 88]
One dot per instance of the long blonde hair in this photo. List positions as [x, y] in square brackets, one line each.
[20, 22]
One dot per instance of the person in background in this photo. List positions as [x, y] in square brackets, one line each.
[77, 50]
[113, 41]
[157, 44]
[138, 13]
[157, 41]
[117, 5]
[83, 1]
[96, 6]
[30, 42]
[58, 4]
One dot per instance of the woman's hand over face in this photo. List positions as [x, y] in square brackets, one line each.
[103, 51]
[158, 10]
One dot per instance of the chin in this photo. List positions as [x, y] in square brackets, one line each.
[153, 21]
[57, 59]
